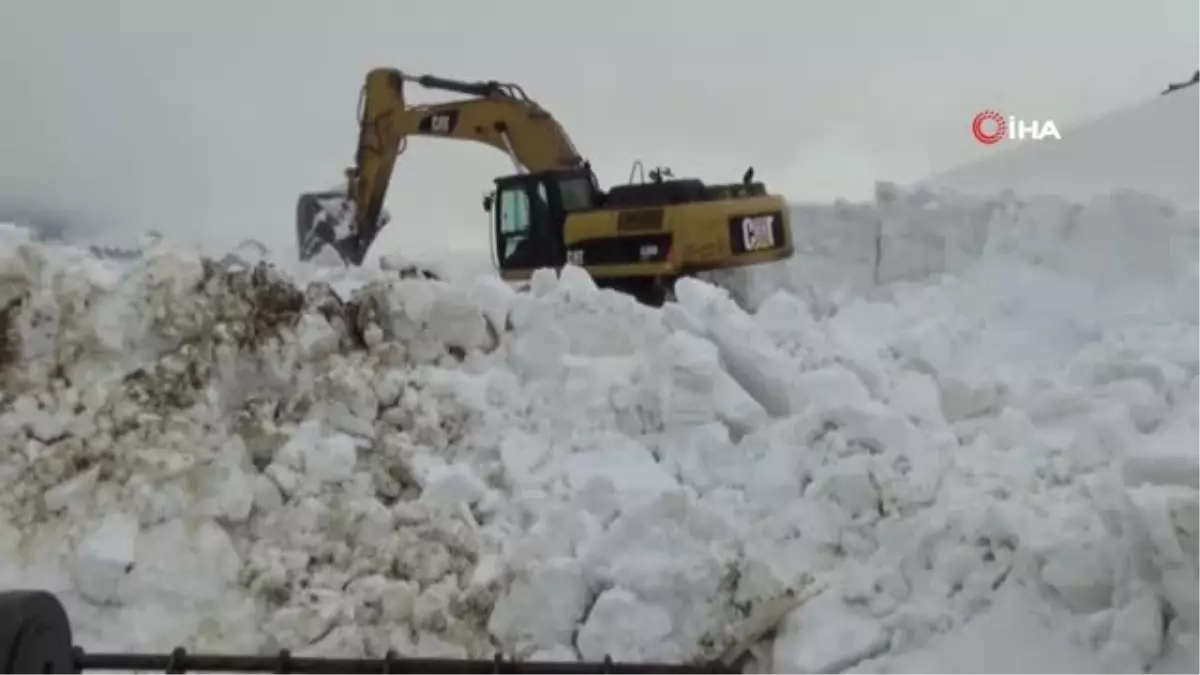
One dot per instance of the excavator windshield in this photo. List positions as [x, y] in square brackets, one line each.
[578, 192]
[530, 210]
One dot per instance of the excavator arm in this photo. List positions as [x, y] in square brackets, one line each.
[499, 115]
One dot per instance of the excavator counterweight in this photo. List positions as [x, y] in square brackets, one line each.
[636, 237]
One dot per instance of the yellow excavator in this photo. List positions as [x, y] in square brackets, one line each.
[637, 238]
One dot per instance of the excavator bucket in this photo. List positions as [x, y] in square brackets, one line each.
[319, 217]
[328, 219]
[36, 639]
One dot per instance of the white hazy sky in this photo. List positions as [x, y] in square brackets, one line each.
[205, 118]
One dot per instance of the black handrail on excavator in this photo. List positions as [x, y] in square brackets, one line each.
[36, 637]
[179, 662]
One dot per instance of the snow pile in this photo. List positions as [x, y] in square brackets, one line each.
[235, 459]
[1126, 241]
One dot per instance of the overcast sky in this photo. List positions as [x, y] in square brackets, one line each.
[206, 118]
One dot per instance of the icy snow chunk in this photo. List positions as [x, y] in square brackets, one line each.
[678, 318]
[1082, 576]
[696, 388]
[542, 282]
[105, 557]
[1164, 459]
[735, 406]
[576, 281]
[446, 487]
[266, 494]
[626, 629]
[850, 485]
[693, 361]
[749, 355]
[226, 491]
[455, 319]
[542, 608]
[298, 625]
[181, 560]
[786, 318]
[668, 554]
[917, 395]
[332, 460]
[961, 399]
[1146, 406]
[825, 636]
[324, 458]
[493, 296]
[538, 352]
[1008, 637]
[630, 468]
[316, 338]
[1139, 625]
[830, 387]
[520, 454]
[71, 491]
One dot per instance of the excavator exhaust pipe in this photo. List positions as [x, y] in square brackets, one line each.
[36, 639]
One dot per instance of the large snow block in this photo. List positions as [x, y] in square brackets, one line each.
[750, 356]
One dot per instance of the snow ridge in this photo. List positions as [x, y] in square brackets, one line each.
[985, 429]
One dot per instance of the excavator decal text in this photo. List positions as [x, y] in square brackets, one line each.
[758, 232]
[439, 123]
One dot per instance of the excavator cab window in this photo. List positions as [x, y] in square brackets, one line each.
[528, 223]
[577, 193]
[514, 220]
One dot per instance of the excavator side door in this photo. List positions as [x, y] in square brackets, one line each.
[528, 219]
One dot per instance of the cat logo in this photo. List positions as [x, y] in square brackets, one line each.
[758, 232]
[439, 123]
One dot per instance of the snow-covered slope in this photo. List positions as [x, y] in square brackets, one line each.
[967, 425]
[1150, 147]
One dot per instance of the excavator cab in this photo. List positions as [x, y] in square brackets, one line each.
[529, 211]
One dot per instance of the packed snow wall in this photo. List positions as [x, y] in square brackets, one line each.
[981, 438]
[845, 249]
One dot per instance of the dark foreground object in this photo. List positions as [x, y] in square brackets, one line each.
[35, 637]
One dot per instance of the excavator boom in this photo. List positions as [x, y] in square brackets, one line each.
[500, 115]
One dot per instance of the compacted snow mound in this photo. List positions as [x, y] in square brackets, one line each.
[248, 460]
[227, 459]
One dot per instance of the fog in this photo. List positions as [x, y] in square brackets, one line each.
[205, 119]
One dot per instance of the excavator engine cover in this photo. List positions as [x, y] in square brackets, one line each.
[35, 639]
